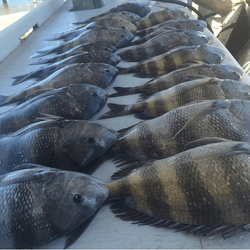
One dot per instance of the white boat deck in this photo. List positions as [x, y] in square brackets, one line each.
[106, 231]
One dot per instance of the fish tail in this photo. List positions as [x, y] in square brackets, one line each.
[127, 70]
[122, 91]
[122, 71]
[20, 79]
[138, 41]
[40, 61]
[117, 110]
[3, 100]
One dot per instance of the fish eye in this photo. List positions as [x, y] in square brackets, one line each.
[93, 94]
[78, 198]
[107, 70]
[123, 27]
[246, 93]
[122, 36]
[91, 139]
[107, 58]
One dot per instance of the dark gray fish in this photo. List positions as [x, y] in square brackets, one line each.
[77, 101]
[160, 30]
[87, 56]
[169, 134]
[175, 77]
[175, 58]
[98, 74]
[204, 191]
[46, 71]
[91, 47]
[125, 15]
[135, 8]
[182, 94]
[103, 22]
[64, 144]
[41, 204]
[160, 16]
[182, 24]
[164, 43]
[116, 37]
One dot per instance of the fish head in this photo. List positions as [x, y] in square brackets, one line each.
[121, 37]
[107, 57]
[197, 37]
[84, 141]
[199, 25]
[227, 71]
[211, 53]
[89, 96]
[129, 16]
[108, 73]
[72, 197]
[104, 47]
[239, 90]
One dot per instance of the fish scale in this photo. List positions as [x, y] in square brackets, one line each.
[207, 186]
[39, 205]
[170, 133]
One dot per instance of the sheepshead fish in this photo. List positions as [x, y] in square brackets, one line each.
[160, 16]
[173, 59]
[160, 30]
[58, 143]
[114, 36]
[46, 71]
[103, 22]
[182, 94]
[97, 56]
[163, 43]
[77, 101]
[42, 204]
[182, 24]
[169, 134]
[135, 8]
[203, 191]
[184, 74]
[82, 47]
[125, 15]
[98, 74]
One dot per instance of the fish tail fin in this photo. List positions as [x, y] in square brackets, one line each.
[3, 100]
[117, 110]
[122, 71]
[122, 91]
[40, 61]
[20, 79]
[127, 70]
[144, 95]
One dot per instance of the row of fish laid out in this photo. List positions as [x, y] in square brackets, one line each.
[186, 159]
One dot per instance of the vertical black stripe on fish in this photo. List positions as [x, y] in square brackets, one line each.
[159, 106]
[170, 64]
[156, 198]
[148, 143]
[204, 212]
[152, 67]
[238, 178]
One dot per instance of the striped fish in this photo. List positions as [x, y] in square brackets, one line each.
[160, 16]
[103, 22]
[135, 8]
[195, 26]
[163, 43]
[169, 134]
[203, 191]
[192, 71]
[182, 24]
[125, 15]
[171, 60]
[166, 100]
